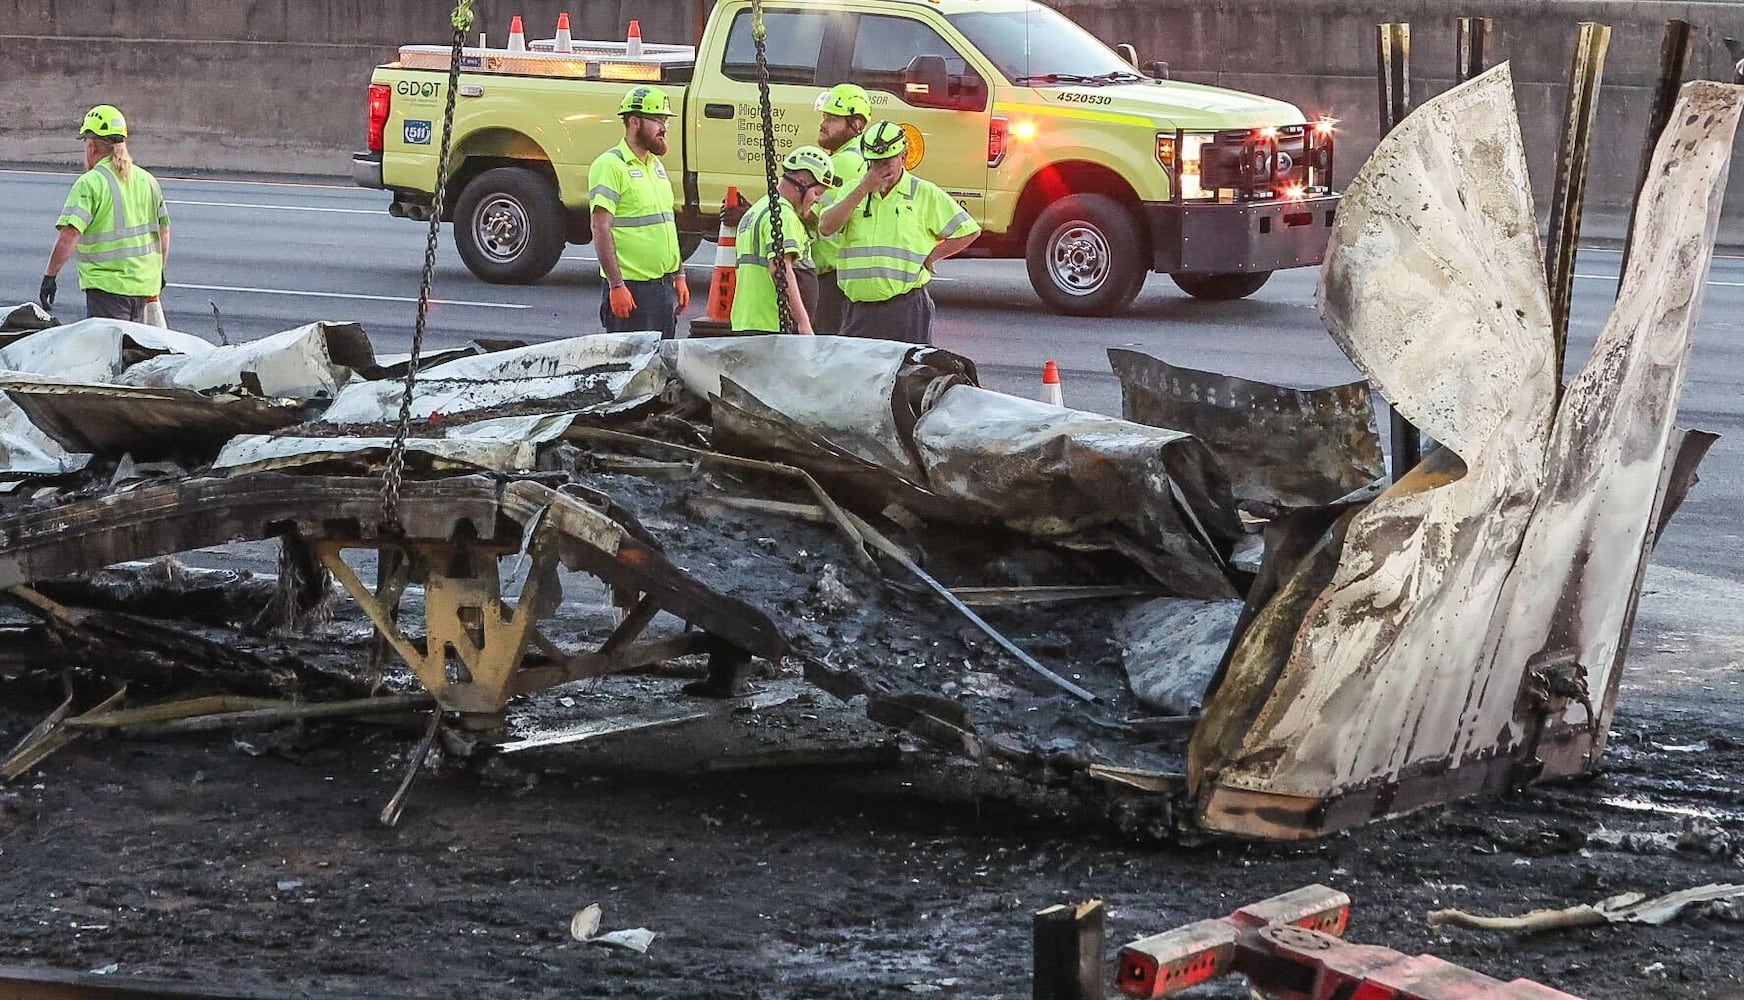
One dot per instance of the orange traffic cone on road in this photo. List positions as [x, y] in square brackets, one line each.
[517, 35]
[718, 320]
[1051, 385]
[565, 41]
[726, 277]
[633, 44]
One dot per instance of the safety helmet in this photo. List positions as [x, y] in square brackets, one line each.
[883, 141]
[816, 162]
[647, 101]
[845, 100]
[105, 121]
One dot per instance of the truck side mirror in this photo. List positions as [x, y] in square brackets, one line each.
[926, 83]
[1128, 53]
[1157, 70]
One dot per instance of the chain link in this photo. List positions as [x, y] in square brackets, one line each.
[777, 251]
[394, 475]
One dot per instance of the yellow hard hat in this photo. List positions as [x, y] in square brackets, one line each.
[104, 121]
[648, 101]
[884, 141]
[815, 162]
[845, 100]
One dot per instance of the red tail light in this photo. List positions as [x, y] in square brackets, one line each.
[381, 99]
[998, 135]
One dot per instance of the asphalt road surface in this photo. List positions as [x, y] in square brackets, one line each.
[273, 256]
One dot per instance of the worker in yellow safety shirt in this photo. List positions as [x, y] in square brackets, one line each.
[844, 112]
[806, 174]
[114, 223]
[635, 233]
[895, 229]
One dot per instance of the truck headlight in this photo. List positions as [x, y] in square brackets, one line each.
[1192, 146]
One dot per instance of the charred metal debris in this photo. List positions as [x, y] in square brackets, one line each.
[1218, 614]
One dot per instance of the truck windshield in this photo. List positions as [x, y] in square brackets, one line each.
[1040, 46]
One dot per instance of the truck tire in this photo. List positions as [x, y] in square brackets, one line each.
[1221, 287]
[1087, 256]
[509, 226]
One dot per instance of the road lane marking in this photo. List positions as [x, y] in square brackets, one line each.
[281, 208]
[347, 295]
[1613, 278]
[164, 176]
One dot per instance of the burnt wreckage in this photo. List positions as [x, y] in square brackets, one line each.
[1217, 613]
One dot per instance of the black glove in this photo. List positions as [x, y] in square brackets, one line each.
[46, 294]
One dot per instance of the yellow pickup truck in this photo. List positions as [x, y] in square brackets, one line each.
[1061, 148]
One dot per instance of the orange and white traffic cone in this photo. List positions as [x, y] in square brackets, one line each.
[517, 35]
[565, 41]
[1051, 385]
[718, 321]
[633, 44]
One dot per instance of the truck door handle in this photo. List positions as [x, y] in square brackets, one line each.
[717, 111]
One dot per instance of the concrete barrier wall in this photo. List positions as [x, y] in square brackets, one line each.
[278, 85]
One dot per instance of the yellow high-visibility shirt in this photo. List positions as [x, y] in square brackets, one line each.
[888, 238]
[120, 224]
[639, 196]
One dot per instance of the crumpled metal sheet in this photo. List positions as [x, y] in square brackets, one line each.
[1433, 285]
[94, 350]
[504, 444]
[1279, 446]
[1171, 648]
[578, 374]
[1578, 572]
[862, 396]
[309, 362]
[148, 423]
[1084, 480]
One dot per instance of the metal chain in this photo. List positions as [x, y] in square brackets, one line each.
[394, 474]
[777, 252]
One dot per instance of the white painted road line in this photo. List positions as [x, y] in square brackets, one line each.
[346, 295]
[280, 208]
[163, 176]
[1613, 279]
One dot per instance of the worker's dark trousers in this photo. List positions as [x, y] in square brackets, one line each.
[831, 305]
[908, 317]
[656, 308]
[107, 305]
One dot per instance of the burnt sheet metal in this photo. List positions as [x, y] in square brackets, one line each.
[94, 350]
[1579, 569]
[504, 444]
[1084, 480]
[27, 317]
[862, 397]
[594, 373]
[308, 362]
[149, 423]
[1171, 648]
[1411, 661]
[1279, 446]
[1433, 284]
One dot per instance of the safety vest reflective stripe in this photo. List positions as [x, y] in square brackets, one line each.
[601, 189]
[633, 221]
[80, 214]
[845, 272]
[851, 253]
[958, 223]
[97, 257]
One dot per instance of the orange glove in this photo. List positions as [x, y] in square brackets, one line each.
[623, 303]
[683, 288]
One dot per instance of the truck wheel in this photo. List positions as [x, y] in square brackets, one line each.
[509, 226]
[1221, 287]
[1087, 256]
